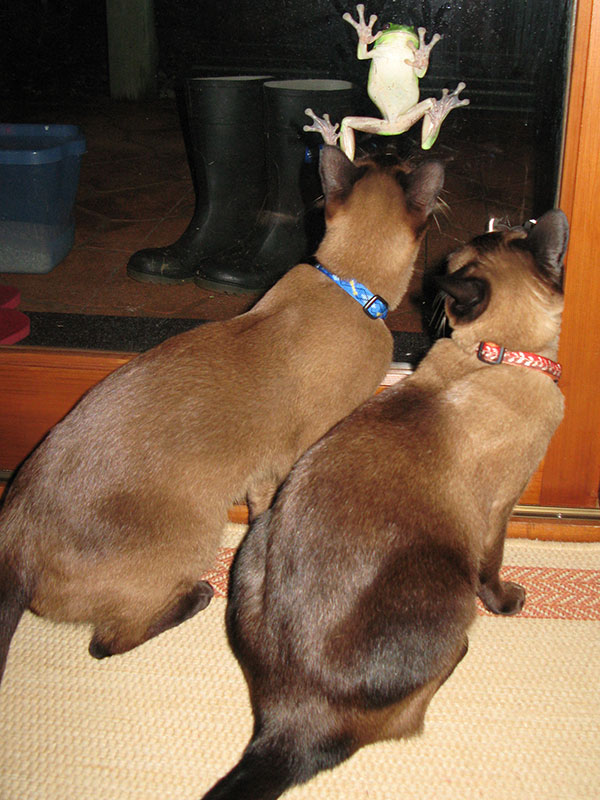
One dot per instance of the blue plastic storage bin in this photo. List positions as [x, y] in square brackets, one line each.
[39, 176]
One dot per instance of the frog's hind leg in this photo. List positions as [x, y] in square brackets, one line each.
[432, 121]
[382, 127]
[351, 124]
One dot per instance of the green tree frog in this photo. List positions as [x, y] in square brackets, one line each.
[399, 58]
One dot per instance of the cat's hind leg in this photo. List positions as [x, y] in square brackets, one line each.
[501, 597]
[498, 596]
[185, 606]
[407, 717]
[124, 635]
[259, 497]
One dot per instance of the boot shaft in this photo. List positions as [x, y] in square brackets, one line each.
[293, 154]
[225, 118]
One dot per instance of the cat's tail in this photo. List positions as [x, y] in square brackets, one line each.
[270, 766]
[14, 599]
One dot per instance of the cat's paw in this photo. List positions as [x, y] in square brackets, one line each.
[509, 599]
[199, 598]
[99, 650]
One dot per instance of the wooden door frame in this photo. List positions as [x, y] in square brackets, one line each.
[571, 475]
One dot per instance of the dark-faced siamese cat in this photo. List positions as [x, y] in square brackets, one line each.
[118, 513]
[351, 597]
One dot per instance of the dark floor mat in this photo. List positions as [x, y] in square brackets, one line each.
[135, 334]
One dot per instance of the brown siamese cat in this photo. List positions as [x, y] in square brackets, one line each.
[351, 597]
[115, 517]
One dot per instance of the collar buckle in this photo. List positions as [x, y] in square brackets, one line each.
[485, 353]
[375, 307]
[491, 353]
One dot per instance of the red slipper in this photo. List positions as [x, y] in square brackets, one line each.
[14, 326]
[10, 297]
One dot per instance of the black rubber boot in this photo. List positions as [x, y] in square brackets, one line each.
[227, 161]
[292, 225]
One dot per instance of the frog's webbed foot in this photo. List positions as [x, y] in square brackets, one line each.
[449, 100]
[420, 59]
[362, 28]
[324, 126]
[432, 121]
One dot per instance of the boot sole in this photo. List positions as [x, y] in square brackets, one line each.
[226, 288]
[145, 277]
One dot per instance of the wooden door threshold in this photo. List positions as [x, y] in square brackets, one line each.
[519, 527]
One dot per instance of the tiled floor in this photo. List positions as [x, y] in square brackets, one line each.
[135, 191]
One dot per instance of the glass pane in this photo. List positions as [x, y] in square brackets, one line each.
[502, 152]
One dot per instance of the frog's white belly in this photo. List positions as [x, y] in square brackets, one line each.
[393, 85]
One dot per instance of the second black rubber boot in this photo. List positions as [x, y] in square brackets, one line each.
[292, 225]
[227, 160]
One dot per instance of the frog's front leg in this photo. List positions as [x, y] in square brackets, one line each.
[440, 109]
[420, 58]
[383, 127]
[364, 31]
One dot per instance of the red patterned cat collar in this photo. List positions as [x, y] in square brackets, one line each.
[491, 353]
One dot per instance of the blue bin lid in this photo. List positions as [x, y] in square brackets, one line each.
[39, 144]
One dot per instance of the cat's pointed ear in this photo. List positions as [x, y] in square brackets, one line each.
[469, 294]
[423, 186]
[338, 174]
[548, 241]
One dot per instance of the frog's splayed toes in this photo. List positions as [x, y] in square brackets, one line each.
[432, 121]
[324, 126]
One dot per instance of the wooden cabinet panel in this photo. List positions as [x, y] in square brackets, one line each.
[38, 386]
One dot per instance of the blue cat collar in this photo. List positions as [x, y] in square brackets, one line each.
[373, 305]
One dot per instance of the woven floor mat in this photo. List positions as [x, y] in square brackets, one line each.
[518, 720]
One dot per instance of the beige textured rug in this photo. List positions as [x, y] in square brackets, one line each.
[518, 720]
